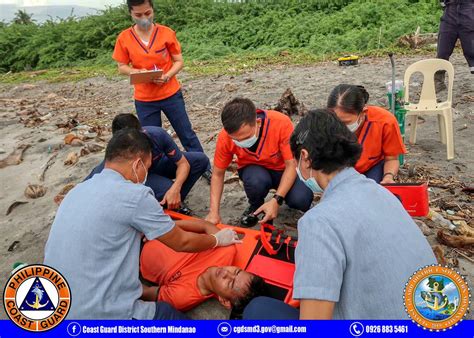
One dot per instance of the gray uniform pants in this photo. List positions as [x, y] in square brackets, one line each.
[457, 22]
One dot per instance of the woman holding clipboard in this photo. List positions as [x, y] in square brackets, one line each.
[148, 46]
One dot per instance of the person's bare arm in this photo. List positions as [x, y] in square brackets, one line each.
[217, 186]
[390, 168]
[182, 172]
[126, 69]
[178, 64]
[172, 197]
[288, 178]
[198, 226]
[270, 208]
[150, 293]
[316, 309]
[186, 241]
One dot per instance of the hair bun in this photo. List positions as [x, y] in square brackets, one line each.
[365, 93]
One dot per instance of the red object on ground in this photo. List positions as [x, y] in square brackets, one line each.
[414, 197]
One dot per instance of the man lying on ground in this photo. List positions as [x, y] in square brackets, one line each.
[187, 279]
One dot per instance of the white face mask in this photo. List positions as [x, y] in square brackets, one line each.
[136, 176]
[248, 143]
[311, 181]
[354, 126]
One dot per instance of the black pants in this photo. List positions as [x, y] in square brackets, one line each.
[457, 22]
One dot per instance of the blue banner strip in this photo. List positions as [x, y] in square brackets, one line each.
[241, 328]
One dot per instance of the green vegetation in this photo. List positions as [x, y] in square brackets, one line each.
[218, 35]
[22, 18]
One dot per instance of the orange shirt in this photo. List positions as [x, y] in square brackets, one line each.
[380, 137]
[273, 147]
[129, 49]
[177, 272]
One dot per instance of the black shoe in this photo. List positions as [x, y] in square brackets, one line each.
[248, 219]
[207, 175]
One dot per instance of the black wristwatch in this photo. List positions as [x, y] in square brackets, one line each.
[279, 199]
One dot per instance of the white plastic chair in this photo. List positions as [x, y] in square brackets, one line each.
[428, 104]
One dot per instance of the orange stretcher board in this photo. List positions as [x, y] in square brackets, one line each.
[252, 256]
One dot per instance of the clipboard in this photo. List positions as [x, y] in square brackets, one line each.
[145, 76]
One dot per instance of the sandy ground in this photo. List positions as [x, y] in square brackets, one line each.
[94, 102]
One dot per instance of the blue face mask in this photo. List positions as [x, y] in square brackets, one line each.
[311, 181]
[248, 143]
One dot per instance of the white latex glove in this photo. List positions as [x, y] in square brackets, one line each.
[226, 237]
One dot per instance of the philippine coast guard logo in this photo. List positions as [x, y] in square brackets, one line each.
[437, 298]
[37, 298]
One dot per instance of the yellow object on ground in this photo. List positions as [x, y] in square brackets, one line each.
[348, 60]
